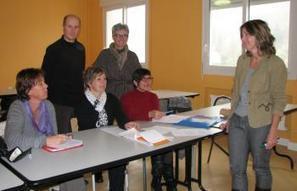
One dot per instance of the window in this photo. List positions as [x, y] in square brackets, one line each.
[221, 35]
[132, 13]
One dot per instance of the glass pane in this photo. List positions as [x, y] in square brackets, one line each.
[112, 17]
[136, 23]
[225, 44]
[277, 15]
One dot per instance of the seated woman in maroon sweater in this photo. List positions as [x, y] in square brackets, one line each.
[143, 105]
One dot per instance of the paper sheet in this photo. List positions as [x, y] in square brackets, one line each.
[170, 119]
[161, 129]
[149, 137]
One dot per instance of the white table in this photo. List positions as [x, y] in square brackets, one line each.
[9, 181]
[100, 151]
[8, 92]
[7, 95]
[167, 94]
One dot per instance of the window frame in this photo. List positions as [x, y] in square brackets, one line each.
[109, 5]
[230, 70]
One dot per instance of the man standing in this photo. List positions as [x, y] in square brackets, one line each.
[63, 64]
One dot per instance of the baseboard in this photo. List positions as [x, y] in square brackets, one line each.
[290, 145]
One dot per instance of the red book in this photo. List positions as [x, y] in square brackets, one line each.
[69, 144]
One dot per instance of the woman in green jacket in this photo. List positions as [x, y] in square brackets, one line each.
[258, 101]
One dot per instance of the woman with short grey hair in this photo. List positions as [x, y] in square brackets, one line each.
[118, 62]
[119, 27]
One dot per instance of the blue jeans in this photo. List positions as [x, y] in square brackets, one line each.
[243, 140]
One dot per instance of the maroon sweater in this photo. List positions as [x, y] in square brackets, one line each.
[137, 105]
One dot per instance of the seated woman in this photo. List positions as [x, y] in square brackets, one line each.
[31, 119]
[99, 109]
[141, 104]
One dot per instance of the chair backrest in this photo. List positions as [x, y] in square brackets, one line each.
[222, 99]
[74, 124]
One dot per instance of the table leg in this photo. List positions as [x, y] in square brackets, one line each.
[200, 166]
[93, 182]
[188, 166]
[144, 174]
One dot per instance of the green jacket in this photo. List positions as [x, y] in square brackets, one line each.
[266, 93]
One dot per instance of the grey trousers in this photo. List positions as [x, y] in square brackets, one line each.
[243, 140]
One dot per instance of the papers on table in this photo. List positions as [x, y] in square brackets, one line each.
[161, 129]
[168, 132]
[68, 144]
[171, 119]
[149, 137]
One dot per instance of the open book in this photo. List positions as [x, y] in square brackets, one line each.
[68, 144]
[150, 137]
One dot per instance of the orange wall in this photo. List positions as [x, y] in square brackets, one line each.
[28, 27]
[175, 55]
[175, 41]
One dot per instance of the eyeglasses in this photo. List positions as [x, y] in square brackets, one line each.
[121, 35]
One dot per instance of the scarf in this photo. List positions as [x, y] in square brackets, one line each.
[121, 56]
[98, 105]
[44, 125]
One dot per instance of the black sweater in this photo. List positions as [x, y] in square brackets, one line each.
[63, 64]
[87, 116]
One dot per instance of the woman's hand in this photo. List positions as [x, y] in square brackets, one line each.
[272, 138]
[56, 140]
[225, 112]
[225, 126]
[132, 124]
[155, 114]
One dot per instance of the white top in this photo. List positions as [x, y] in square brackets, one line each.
[167, 94]
[8, 179]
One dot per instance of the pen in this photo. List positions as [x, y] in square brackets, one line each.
[169, 112]
[263, 145]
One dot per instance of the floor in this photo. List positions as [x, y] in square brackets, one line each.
[216, 175]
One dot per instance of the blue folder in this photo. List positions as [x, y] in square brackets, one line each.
[199, 121]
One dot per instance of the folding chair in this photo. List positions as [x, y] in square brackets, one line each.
[218, 101]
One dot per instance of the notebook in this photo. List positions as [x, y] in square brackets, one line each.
[69, 144]
[200, 121]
